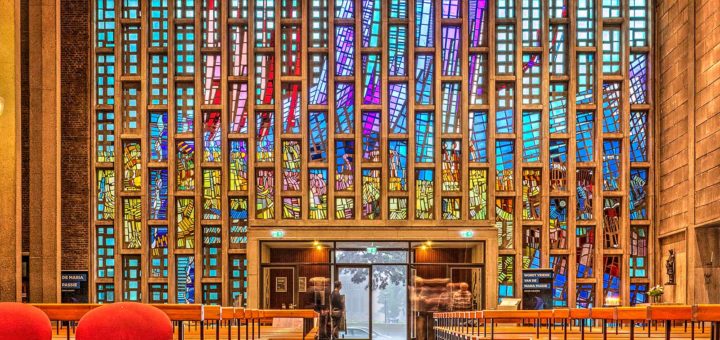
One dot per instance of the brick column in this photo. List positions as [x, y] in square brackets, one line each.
[44, 151]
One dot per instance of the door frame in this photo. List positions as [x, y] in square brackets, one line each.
[336, 277]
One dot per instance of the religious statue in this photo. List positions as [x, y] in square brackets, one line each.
[670, 267]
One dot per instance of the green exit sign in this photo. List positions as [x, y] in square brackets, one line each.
[467, 234]
[372, 250]
[277, 233]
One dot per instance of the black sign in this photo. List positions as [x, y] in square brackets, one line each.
[537, 289]
[74, 286]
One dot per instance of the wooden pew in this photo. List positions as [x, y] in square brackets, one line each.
[703, 313]
[669, 314]
[632, 314]
[509, 315]
[563, 315]
[69, 312]
[182, 313]
[604, 314]
[211, 313]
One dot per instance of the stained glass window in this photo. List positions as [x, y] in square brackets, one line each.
[639, 251]
[132, 272]
[405, 110]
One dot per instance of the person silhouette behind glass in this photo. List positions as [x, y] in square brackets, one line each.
[337, 307]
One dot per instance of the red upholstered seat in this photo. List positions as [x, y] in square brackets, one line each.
[125, 321]
[23, 322]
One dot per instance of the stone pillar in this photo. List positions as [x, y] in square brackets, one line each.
[44, 151]
[10, 200]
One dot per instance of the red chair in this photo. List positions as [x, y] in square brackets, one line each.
[23, 322]
[125, 321]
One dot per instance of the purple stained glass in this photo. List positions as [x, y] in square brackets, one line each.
[478, 23]
[451, 9]
[238, 108]
[638, 78]
[371, 79]
[344, 50]
[451, 50]
[371, 136]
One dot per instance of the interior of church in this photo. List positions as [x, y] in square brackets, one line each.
[360, 169]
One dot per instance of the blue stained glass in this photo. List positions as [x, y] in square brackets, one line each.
[611, 107]
[397, 159]
[344, 108]
[611, 277]
[105, 81]
[450, 110]
[504, 104]
[424, 137]
[371, 136]
[344, 165]
[504, 163]
[105, 23]
[318, 135]
[531, 22]
[425, 23]
[531, 137]
[532, 67]
[638, 194]
[371, 23]
[344, 50]
[184, 49]
[371, 78]
[131, 9]
[611, 47]
[585, 295]
[159, 251]
[611, 8]
[398, 9]
[585, 23]
[397, 107]
[638, 78]
[557, 49]
[344, 9]
[611, 165]
[559, 264]
[558, 164]
[585, 78]
[638, 136]
[265, 136]
[185, 279]
[397, 50]
[158, 136]
[158, 23]
[424, 69]
[478, 136]
[478, 79]
[585, 136]
[185, 108]
[451, 50]
[158, 194]
[558, 108]
[478, 23]
[319, 80]
[638, 293]
[638, 23]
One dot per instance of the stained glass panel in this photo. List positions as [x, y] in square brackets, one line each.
[425, 194]
[531, 194]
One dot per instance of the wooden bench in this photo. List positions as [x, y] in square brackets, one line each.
[704, 313]
[183, 312]
[669, 314]
[65, 312]
[631, 314]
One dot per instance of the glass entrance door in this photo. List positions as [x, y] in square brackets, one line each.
[389, 302]
[356, 286]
